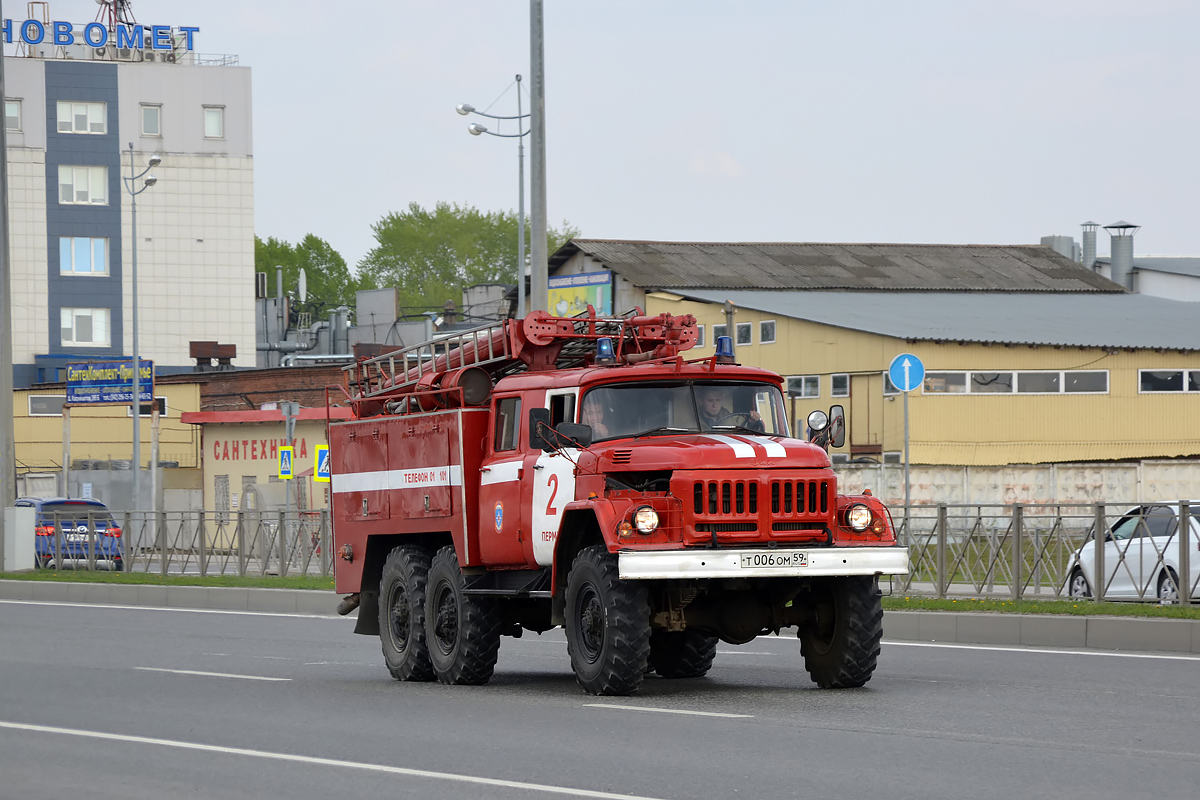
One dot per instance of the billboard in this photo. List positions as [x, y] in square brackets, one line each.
[572, 294]
[108, 382]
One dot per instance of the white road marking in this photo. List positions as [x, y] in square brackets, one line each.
[326, 762]
[668, 711]
[180, 610]
[211, 674]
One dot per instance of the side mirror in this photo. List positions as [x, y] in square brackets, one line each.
[837, 426]
[539, 426]
[570, 434]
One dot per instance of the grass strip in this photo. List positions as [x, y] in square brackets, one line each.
[144, 578]
[1085, 608]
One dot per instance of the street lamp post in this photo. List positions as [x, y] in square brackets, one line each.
[135, 401]
[475, 129]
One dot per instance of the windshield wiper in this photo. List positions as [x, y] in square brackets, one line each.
[663, 429]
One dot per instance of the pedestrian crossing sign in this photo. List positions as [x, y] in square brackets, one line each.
[285, 463]
[322, 471]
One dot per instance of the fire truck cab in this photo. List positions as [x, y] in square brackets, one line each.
[583, 473]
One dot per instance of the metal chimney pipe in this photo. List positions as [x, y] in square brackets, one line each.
[1089, 244]
[1121, 251]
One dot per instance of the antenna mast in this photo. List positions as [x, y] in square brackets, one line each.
[115, 12]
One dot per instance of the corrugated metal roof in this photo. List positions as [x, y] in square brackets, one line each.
[782, 265]
[1075, 319]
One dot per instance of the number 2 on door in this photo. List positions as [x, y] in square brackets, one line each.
[553, 484]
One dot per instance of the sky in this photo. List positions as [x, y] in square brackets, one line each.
[952, 121]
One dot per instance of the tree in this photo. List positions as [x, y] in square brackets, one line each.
[430, 256]
[330, 283]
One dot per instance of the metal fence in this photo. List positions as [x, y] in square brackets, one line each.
[193, 543]
[1013, 552]
[1040, 552]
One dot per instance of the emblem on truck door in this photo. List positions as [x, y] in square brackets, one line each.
[499, 516]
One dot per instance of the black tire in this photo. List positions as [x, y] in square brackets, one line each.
[608, 625]
[682, 654]
[841, 646]
[1077, 584]
[402, 613]
[118, 565]
[463, 632]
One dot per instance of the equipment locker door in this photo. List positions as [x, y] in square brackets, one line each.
[500, 516]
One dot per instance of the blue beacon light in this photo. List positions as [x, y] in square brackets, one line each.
[725, 349]
[604, 351]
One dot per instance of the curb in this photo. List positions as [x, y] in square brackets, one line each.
[1031, 630]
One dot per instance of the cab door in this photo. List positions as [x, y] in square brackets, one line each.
[501, 524]
[550, 482]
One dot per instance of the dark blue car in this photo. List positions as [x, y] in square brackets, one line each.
[76, 531]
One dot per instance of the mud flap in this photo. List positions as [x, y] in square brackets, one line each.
[368, 614]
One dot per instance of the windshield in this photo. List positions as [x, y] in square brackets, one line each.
[632, 409]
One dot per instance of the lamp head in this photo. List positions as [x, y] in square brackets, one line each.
[724, 350]
[464, 108]
[604, 351]
[155, 160]
[475, 128]
[151, 180]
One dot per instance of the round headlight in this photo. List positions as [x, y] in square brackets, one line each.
[818, 420]
[858, 517]
[645, 519]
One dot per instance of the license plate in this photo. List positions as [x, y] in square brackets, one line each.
[78, 537]
[774, 559]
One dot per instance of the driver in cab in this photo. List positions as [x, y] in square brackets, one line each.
[715, 411]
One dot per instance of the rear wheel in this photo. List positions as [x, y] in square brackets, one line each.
[608, 625]
[402, 614]
[1168, 588]
[118, 565]
[463, 632]
[682, 654]
[841, 645]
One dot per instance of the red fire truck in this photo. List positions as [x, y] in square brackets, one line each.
[583, 473]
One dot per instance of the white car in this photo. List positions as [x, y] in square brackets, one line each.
[1141, 556]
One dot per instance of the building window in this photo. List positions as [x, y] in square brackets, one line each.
[839, 385]
[12, 115]
[151, 120]
[1168, 380]
[508, 423]
[46, 405]
[1039, 383]
[146, 410]
[991, 383]
[1089, 382]
[79, 255]
[85, 327]
[699, 336]
[766, 332]
[745, 333]
[945, 383]
[83, 185]
[82, 117]
[214, 122]
[889, 388]
[804, 386]
[894, 457]
[719, 331]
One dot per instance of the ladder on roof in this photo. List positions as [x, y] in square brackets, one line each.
[391, 373]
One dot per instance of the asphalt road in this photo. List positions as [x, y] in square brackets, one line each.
[102, 702]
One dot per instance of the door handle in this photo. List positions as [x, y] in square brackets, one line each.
[485, 469]
[539, 466]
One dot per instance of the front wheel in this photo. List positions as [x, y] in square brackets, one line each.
[1077, 586]
[463, 632]
[608, 625]
[1168, 588]
[841, 645]
[402, 613]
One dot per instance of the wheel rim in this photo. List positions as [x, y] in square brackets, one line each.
[823, 629]
[445, 624]
[1078, 585]
[1166, 589]
[399, 617]
[589, 611]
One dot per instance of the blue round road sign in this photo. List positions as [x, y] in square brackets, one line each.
[906, 372]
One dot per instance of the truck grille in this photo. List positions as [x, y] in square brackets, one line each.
[725, 497]
[799, 497]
